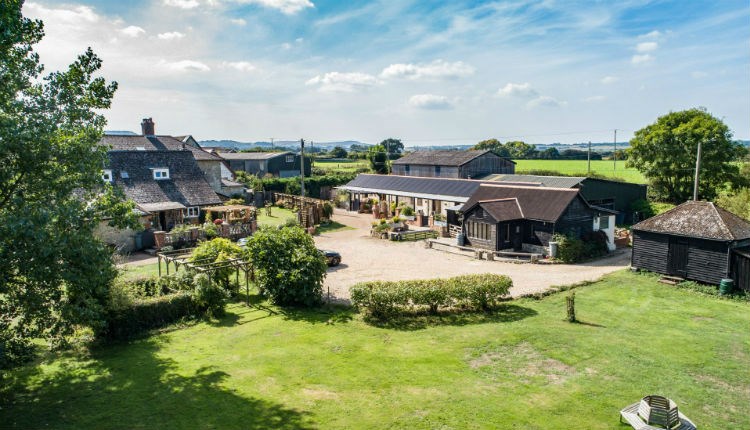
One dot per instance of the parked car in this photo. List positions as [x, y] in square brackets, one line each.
[333, 258]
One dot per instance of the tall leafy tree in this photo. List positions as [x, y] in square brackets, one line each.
[54, 275]
[665, 152]
[378, 159]
[493, 145]
[394, 147]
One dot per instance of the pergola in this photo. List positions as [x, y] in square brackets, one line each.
[182, 258]
[232, 213]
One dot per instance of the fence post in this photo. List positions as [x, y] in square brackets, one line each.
[570, 303]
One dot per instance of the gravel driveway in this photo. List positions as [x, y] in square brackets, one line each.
[367, 259]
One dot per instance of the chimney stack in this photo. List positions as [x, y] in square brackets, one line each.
[147, 127]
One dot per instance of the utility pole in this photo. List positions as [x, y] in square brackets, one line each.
[302, 165]
[697, 172]
[614, 153]
[589, 157]
[272, 143]
[312, 155]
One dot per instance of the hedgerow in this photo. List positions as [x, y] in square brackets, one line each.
[382, 298]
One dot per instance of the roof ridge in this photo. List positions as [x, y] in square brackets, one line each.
[496, 185]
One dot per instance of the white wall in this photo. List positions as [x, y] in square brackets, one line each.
[609, 231]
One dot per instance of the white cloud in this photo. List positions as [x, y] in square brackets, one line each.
[171, 35]
[185, 66]
[641, 59]
[288, 7]
[594, 99]
[238, 21]
[646, 47]
[545, 101]
[651, 35]
[241, 66]
[132, 31]
[182, 4]
[430, 101]
[343, 82]
[609, 79]
[517, 90]
[286, 46]
[437, 69]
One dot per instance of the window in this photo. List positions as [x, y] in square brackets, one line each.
[290, 158]
[107, 175]
[437, 170]
[161, 174]
[192, 212]
[478, 230]
[604, 222]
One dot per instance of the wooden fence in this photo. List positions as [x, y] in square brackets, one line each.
[413, 235]
[310, 210]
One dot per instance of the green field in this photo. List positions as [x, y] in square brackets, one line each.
[522, 366]
[580, 168]
[347, 166]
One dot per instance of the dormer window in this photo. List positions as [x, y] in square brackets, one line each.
[160, 174]
[290, 158]
[107, 175]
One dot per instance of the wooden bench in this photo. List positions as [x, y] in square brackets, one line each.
[630, 414]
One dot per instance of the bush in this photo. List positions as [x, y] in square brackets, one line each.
[146, 314]
[216, 251]
[288, 266]
[407, 211]
[327, 210]
[381, 299]
[573, 250]
[210, 298]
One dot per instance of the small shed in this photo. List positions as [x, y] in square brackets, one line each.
[696, 240]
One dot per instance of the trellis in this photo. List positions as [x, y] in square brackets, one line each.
[182, 258]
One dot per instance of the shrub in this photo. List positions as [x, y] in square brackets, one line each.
[327, 210]
[288, 266]
[407, 211]
[146, 314]
[216, 251]
[209, 298]
[573, 250]
[235, 201]
[381, 299]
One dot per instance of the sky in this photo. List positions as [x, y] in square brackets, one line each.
[427, 72]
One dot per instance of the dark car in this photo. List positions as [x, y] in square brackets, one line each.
[333, 258]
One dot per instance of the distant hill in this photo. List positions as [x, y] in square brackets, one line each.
[291, 145]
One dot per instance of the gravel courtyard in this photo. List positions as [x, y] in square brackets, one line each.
[365, 259]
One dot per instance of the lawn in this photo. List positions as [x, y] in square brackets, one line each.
[278, 216]
[521, 367]
[344, 166]
[580, 167]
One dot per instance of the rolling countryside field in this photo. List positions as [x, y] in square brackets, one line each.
[579, 168]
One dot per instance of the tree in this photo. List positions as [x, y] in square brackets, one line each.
[54, 274]
[378, 159]
[665, 152]
[493, 145]
[338, 152]
[549, 154]
[288, 267]
[520, 150]
[394, 148]
[737, 202]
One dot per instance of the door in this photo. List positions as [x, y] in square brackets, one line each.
[741, 270]
[516, 234]
[678, 257]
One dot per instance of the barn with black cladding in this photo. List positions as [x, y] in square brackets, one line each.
[696, 240]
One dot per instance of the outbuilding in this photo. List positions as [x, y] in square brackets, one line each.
[696, 240]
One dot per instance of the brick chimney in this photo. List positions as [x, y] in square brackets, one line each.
[147, 126]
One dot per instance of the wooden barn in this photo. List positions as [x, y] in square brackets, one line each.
[696, 240]
[452, 164]
[498, 217]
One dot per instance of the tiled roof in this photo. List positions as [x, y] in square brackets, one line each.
[698, 219]
[251, 155]
[154, 143]
[537, 203]
[503, 209]
[133, 171]
[440, 158]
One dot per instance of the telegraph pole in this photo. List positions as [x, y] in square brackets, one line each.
[302, 165]
[312, 155]
[697, 172]
[614, 153]
[271, 143]
[589, 157]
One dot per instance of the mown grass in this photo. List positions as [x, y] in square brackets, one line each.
[522, 366]
[343, 166]
[580, 167]
[279, 216]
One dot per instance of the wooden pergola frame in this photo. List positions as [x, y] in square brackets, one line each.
[181, 257]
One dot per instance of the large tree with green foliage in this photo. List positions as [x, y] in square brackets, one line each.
[394, 147]
[665, 152]
[493, 145]
[54, 275]
[378, 159]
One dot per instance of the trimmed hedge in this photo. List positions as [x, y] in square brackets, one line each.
[381, 298]
[146, 314]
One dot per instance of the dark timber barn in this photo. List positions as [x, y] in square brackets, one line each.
[697, 241]
[452, 164]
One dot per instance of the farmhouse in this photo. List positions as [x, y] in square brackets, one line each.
[695, 240]
[452, 164]
[498, 217]
[616, 195]
[278, 164]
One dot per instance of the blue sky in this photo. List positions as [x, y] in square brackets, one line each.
[428, 72]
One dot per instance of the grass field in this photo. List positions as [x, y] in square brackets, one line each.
[346, 166]
[279, 216]
[580, 167]
[522, 366]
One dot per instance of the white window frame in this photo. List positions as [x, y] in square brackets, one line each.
[193, 212]
[107, 175]
[604, 219]
[290, 158]
[161, 174]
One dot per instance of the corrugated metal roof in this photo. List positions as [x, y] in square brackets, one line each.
[457, 190]
[544, 181]
[251, 155]
[440, 158]
[698, 219]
